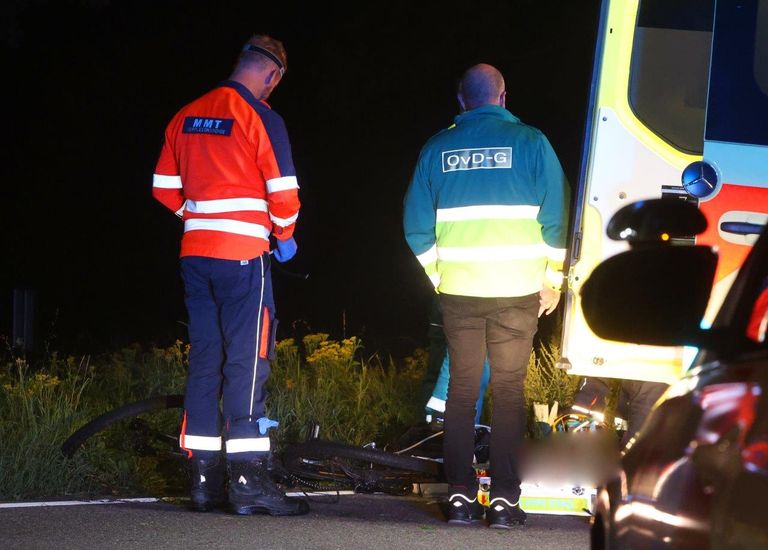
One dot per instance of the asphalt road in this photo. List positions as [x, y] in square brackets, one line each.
[353, 521]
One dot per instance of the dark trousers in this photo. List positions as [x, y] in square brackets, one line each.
[635, 400]
[641, 396]
[502, 328]
[231, 333]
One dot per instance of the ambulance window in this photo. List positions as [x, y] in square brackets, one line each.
[669, 68]
[738, 90]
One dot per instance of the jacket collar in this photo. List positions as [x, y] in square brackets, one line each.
[244, 92]
[494, 111]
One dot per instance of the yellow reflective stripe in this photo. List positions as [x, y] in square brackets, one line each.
[426, 258]
[555, 278]
[487, 212]
[282, 184]
[218, 206]
[246, 445]
[556, 254]
[166, 182]
[283, 222]
[500, 253]
[200, 443]
[228, 226]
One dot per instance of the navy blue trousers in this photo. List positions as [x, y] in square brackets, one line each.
[231, 333]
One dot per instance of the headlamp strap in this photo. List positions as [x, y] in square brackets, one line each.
[265, 53]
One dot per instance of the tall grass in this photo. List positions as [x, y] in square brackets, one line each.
[37, 410]
[42, 405]
[546, 383]
[353, 398]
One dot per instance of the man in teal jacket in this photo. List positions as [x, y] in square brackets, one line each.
[486, 216]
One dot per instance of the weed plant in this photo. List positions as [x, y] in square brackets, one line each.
[352, 399]
[546, 383]
[42, 405]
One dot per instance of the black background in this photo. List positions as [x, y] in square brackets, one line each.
[90, 85]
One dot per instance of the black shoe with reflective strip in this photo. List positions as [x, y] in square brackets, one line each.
[462, 510]
[207, 483]
[252, 491]
[503, 514]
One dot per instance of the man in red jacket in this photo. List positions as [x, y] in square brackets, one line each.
[226, 169]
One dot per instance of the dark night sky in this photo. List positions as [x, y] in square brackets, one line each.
[90, 86]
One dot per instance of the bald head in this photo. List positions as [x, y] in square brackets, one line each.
[481, 85]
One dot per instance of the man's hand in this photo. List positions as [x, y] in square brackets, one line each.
[548, 300]
[285, 250]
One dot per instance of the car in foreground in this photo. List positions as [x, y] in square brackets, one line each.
[695, 475]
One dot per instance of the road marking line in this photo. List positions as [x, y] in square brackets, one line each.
[74, 502]
[145, 499]
[316, 493]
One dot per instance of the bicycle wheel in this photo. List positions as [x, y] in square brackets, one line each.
[77, 439]
[365, 470]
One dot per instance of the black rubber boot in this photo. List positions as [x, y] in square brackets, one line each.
[252, 491]
[503, 514]
[207, 483]
[463, 510]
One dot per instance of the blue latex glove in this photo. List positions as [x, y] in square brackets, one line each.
[266, 424]
[285, 250]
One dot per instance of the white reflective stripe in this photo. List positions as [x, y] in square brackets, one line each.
[248, 445]
[218, 206]
[166, 182]
[426, 258]
[492, 253]
[282, 184]
[257, 337]
[554, 276]
[200, 442]
[457, 496]
[228, 226]
[283, 222]
[180, 211]
[504, 500]
[487, 212]
[435, 278]
[556, 254]
[437, 405]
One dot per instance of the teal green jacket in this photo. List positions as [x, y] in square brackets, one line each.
[486, 212]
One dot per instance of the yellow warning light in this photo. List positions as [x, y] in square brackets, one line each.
[665, 236]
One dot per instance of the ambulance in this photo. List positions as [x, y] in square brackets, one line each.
[678, 110]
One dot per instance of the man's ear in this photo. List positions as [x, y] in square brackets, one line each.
[503, 99]
[272, 78]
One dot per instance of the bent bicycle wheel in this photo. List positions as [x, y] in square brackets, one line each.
[129, 411]
[364, 470]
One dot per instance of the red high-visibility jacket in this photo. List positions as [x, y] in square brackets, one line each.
[226, 168]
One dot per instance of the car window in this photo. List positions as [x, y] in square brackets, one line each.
[743, 317]
[758, 321]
